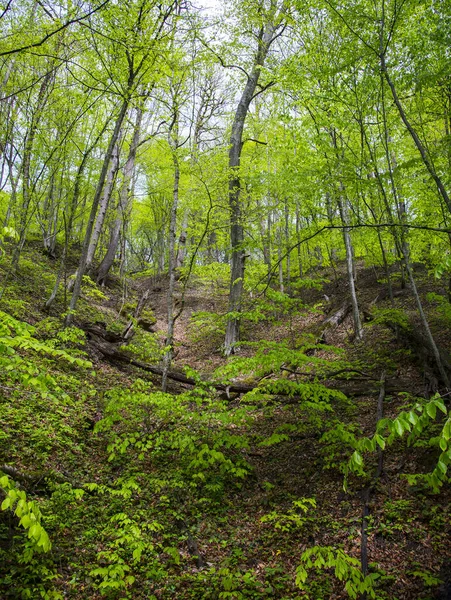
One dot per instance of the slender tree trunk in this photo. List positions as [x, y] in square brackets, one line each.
[125, 197]
[280, 260]
[413, 134]
[172, 257]
[358, 329]
[26, 167]
[181, 249]
[298, 239]
[69, 222]
[424, 320]
[402, 213]
[266, 36]
[265, 239]
[287, 246]
[95, 204]
[103, 206]
[350, 262]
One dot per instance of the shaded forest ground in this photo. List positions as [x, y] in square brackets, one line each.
[181, 524]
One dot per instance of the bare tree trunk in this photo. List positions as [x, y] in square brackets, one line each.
[69, 222]
[181, 250]
[265, 236]
[424, 320]
[298, 239]
[280, 259]
[103, 206]
[124, 202]
[172, 257]
[418, 143]
[350, 266]
[413, 134]
[265, 38]
[358, 329]
[400, 205]
[95, 204]
[287, 246]
[26, 167]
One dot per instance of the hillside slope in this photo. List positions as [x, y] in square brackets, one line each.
[209, 493]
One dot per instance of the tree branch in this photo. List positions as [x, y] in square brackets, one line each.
[52, 33]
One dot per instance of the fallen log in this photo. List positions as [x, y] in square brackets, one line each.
[339, 316]
[384, 295]
[36, 481]
[111, 351]
[333, 321]
[349, 388]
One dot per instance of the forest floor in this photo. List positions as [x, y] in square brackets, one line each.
[172, 519]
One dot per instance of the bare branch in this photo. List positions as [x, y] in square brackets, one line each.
[219, 57]
[57, 30]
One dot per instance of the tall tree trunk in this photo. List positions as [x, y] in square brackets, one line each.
[172, 256]
[181, 250]
[280, 259]
[413, 134]
[298, 240]
[103, 206]
[424, 321]
[26, 166]
[265, 237]
[265, 38]
[125, 197]
[358, 329]
[287, 246]
[69, 222]
[350, 262]
[95, 204]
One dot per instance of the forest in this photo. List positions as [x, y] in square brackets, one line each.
[225, 299]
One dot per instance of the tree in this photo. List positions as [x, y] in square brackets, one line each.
[138, 42]
[268, 28]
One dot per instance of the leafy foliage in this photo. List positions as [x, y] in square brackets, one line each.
[28, 513]
[345, 568]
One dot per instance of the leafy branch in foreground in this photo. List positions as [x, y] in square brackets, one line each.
[412, 423]
[346, 568]
[28, 513]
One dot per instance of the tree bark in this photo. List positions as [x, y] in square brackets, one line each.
[174, 141]
[103, 206]
[265, 38]
[124, 202]
[69, 222]
[358, 329]
[95, 204]
[26, 166]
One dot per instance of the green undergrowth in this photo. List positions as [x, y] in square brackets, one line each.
[112, 489]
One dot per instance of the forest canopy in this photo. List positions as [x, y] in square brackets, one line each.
[225, 243]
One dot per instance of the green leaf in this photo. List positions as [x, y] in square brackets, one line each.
[431, 410]
[398, 427]
[357, 458]
[380, 441]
